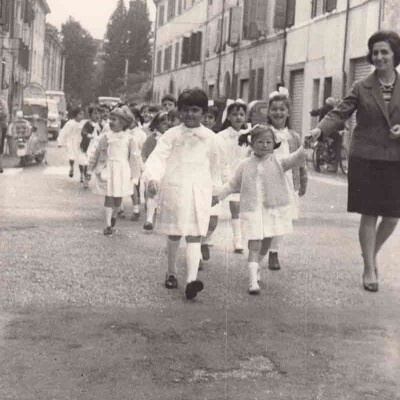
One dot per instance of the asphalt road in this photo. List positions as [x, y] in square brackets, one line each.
[83, 316]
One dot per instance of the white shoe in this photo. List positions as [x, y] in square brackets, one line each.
[254, 289]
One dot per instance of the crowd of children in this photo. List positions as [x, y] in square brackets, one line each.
[174, 160]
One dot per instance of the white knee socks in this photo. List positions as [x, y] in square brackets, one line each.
[193, 256]
[108, 212]
[253, 275]
[151, 208]
[237, 234]
[172, 250]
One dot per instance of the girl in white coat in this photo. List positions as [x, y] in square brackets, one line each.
[231, 155]
[265, 208]
[70, 137]
[183, 169]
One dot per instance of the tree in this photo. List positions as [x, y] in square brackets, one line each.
[115, 48]
[80, 51]
[139, 27]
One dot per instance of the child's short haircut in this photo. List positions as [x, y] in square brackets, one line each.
[160, 117]
[138, 116]
[75, 111]
[193, 97]
[168, 97]
[214, 111]
[154, 108]
[172, 114]
[92, 109]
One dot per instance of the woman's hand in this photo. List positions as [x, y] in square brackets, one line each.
[395, 132]
[311, 138]
[152, 189]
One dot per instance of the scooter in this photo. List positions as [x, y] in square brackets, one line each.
[29, 147]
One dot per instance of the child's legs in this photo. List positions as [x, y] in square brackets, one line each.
[254, 250]
[151, 205]
[275, 243]
[108, 209]
[135, 198]
[193, 256]
[234, 206]
[172, 250]
[117, 205]
[212, 225]
[265, 246]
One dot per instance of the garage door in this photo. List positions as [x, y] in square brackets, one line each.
[361, 69]
[296, 93]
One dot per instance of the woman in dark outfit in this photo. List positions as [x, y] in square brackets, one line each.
[374, 164]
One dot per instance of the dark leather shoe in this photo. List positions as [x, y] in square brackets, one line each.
[192, 288]
[171, 282]
[273, 261]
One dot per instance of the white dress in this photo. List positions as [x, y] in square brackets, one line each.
[280, 153]
[84, 156]
[231, 154]
[185, 162]
[70, 136]
[116, 180]
[140, 136]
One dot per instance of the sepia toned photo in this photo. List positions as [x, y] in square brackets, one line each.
[199, 199]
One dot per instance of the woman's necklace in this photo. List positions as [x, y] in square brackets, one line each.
[387, 83]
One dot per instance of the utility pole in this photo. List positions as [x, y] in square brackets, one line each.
[220, 48]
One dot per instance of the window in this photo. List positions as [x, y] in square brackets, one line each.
[285, 11]
[168, 58]
[159, 58]
[244, 89]
[315, 101]
[260, 84]
[319, 7]
[161, 13]
[179, 7]
[254, 19]
[191, 48]
[171, 9]
[211, 91]
[252, 85]
[327, 87]
[177, 54]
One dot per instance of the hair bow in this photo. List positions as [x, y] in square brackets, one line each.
[228, 103]
[282, 91]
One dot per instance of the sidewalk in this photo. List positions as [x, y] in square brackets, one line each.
[10, 161]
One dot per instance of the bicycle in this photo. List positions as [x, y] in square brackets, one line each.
[324, 156]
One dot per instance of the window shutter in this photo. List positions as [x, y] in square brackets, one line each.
[252, 85]
[179, 7]
[185, 50]
[245, 19]
[2, 12]
[251, 20]
[261, 8]
[167, 58]
[159, 57]
[235, 17]
[280, 14]
[235, 81]
[171, 9]
[330, 5]
[177, 48]
[260, 84]
[217, 47]
[7, 15]
[197, 46]
[290, 12]
[161, 15]
[192, 47]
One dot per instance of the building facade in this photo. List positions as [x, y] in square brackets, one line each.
[246, 48]
[54, 60]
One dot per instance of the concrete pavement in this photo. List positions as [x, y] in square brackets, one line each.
[87, 317]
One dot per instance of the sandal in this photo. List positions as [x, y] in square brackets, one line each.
[171, 282]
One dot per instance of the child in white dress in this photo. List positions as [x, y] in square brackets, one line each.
[158, 126]
[265, 209]
[231, 155]
[70, 137]
[278, 117]
[183, 169]
[115, 163]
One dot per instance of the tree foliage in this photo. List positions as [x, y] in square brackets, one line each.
[80, 51]
[127, 38]
[115, 49]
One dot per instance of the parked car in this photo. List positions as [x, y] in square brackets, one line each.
[59, 97]
[53, 119]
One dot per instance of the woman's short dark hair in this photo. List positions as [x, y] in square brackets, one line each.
[213, 110]
[193, 97]
[75, 111]
[138, 115]
[92, 109]
[160, 117]
[390, 37]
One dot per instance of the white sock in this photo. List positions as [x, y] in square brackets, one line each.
[193, 256]
[108, 212]
[237, 233]
[253, 270]
[136, 209]
[151, 208]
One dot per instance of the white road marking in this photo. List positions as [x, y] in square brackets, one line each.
[328, 181]
[12, 171]
[63, 170]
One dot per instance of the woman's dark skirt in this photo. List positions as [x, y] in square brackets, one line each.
[374, 187]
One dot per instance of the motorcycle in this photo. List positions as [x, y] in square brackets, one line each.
[29, 146]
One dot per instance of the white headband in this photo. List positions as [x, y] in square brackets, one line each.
[282, 91]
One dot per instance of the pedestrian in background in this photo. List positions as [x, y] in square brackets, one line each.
[70, 137]
[265, 208]
[90, 134]
[297, 177]
[182, 170]
[3, 129]
[159, 125]
[168, 102]
[115, 164]
[174, 117]
[234, 122]
[374, 156]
